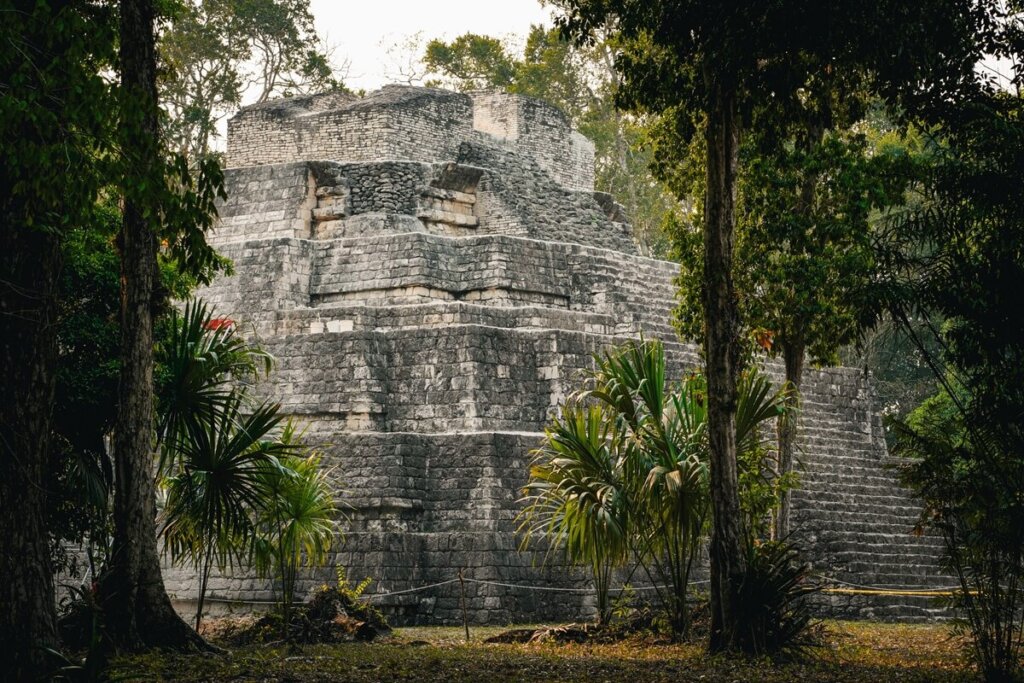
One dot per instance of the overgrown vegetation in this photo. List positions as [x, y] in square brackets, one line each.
[966, 493]
[294, 523]
[242, 488]
[958, 258]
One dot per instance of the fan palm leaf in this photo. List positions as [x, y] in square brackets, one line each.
[296, 519]
[201, 361]
[221, 458]
[624, 470]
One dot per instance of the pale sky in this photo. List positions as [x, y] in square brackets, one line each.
[362, 31]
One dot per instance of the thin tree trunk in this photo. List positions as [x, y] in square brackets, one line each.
[793, 345]
[722, 358]
[138, 611]
[29, 261]
[786, 429]
[203, 583]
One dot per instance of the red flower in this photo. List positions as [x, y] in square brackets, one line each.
[219, 323]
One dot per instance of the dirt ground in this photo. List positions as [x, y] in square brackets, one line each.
[853, 651]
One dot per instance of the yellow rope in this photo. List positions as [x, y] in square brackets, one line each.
[883, 591]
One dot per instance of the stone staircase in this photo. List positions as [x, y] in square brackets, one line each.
[857, 523]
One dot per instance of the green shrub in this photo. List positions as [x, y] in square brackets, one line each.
[623, 473]
[775, 617]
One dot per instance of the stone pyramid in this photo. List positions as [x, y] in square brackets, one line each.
[432, 270]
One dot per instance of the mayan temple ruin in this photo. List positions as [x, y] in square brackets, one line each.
[432, 270]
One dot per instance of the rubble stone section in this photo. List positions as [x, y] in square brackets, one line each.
[433, 271]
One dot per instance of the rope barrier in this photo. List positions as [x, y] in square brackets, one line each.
[887, 591]
[866, 587]
[409, 590]
[554, 589]
[845, 588]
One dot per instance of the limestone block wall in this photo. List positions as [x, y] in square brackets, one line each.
[418, 124]
[537, 130]
[386, 271]
[397, 391]
[268, 202]
[518, 197]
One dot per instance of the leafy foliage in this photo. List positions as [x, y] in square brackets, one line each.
[707, 71]
[238, 491]
[201, 360]
[473, 61]
[215, 51]
[575, 495]
[218, 486]
[56, 116]
[86, 389]
[971, 492]
[954, 267]
[623, 473]
[777, 620]
[81, 475]
[804, 276]
[295, 524]
[582, 83]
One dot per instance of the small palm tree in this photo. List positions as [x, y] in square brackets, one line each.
[201, 363]
[761, 488]
[234, 492]
[219, 484]
[623, 472]
[667, 473]
[295, 523]
[208, 449]
[576, 498]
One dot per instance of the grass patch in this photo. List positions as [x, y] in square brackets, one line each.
[856, 652]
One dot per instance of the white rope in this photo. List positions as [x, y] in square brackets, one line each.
[554, 589]
[408, 590]
[574, 590]
[620, 589]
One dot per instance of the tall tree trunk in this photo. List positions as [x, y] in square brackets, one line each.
[138, 611]
[722, 357]
[786, 427]
[793, 345]
[29, 263]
